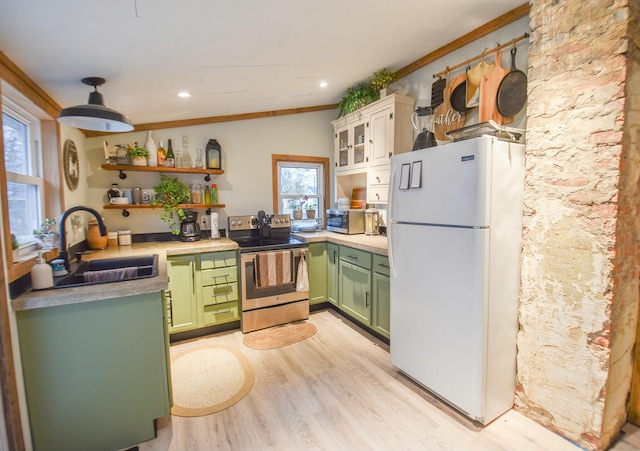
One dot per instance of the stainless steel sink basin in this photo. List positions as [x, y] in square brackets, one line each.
[109, 270]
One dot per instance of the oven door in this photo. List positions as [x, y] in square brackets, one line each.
[254, 297]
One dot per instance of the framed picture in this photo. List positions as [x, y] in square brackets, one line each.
[71, 164]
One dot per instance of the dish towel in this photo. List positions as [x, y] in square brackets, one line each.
[274, 268]
[110, 275]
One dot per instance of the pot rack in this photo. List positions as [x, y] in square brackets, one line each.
[481, 56]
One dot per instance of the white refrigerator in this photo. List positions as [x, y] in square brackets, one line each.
[454, 225]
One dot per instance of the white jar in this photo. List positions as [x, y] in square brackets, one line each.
[124, 237]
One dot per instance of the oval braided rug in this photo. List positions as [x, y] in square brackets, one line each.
[208, 379]
[279, 336]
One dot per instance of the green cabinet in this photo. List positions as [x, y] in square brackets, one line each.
[203, 290]
[181, 294]
[95, 373]
[317, 269]
[381, 315]
[355, 283]
[333, 294]
[217, 279]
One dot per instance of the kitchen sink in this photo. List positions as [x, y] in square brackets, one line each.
[109, 270]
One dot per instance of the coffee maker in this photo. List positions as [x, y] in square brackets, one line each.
[189, 228]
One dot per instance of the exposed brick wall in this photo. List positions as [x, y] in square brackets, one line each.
[579, 296]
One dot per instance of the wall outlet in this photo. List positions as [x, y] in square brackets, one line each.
[205, 223]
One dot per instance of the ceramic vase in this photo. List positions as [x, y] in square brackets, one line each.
[139, 161]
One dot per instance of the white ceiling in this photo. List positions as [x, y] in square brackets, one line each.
[234, 56]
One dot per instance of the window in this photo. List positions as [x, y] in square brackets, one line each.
[300, 183]
[23, 165]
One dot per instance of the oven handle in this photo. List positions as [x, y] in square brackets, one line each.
[251, 256]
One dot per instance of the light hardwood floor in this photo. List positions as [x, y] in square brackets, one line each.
[339, 391]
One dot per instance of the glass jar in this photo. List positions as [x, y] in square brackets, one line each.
[124, 237]
[121, 154]
[196, 193]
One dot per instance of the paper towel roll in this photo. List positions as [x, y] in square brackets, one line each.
[215, 233]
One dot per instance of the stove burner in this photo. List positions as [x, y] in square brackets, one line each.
[262, 233]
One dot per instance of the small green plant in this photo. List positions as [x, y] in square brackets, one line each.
[311, 205]
[382, 79]
[14, 242]
[170, 193]
[48, 227]
[137, 152]
[356, 97]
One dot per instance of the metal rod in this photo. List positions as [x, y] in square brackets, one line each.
[482, 55]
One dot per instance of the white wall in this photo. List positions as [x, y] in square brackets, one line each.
[247, 146]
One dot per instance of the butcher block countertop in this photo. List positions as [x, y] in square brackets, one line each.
[370, 243]
[97, 292]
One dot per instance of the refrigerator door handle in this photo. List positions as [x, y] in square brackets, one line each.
[391, 224]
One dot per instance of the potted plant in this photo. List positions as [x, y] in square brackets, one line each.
[48, 234]
[311, 207]
[138, 155]
[296, 206]
[170, 193]
[14, 248]
[381, 79]
[356, 97]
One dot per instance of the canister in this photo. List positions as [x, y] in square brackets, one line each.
[113, 239]
[124, 237]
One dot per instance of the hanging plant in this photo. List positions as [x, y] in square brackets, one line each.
[170, 193]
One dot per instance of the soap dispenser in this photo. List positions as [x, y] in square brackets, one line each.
[41, 273]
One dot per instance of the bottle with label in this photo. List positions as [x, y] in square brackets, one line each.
[150, 145]
[114, 191]
[171, 159]
[162, 155]
[214, 194]
[214, 154]
[207, 195]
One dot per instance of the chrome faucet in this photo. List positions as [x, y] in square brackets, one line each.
[63, 236]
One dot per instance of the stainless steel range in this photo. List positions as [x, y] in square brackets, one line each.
[269, 261]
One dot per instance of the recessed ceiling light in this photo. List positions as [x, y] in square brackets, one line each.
[324, 84]
[184, 94]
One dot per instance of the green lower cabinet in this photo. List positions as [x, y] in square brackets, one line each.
[203, 290]
[333, 275]
[381, 317]
[355, 291]
[95, 373]
[181, 294]
[317, 268]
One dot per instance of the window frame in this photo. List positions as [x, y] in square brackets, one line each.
[34, 155]
[275, 178]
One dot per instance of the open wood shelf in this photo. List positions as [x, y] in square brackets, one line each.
[128, 167]
[130, 206]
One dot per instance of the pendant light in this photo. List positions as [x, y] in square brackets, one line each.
[94, 115]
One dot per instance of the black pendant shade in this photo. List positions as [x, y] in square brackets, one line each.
[95, 116]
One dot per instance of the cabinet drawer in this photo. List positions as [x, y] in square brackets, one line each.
[210, 260]
[381, 264]
[219, 276]
[218, 294]
[355, 256]
[377, 194]
[379, 177]
[217, 314]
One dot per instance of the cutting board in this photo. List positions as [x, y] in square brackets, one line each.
[474, 79]
[488, 109]
[445, 117]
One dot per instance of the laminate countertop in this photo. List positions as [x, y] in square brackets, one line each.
[96, 292]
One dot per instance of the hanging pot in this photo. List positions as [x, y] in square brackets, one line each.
[512, 92]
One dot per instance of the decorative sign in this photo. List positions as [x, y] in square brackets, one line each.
[71, 164]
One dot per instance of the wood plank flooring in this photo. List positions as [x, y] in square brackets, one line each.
[339, 391]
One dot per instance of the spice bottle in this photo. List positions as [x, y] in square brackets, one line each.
[214, 194]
